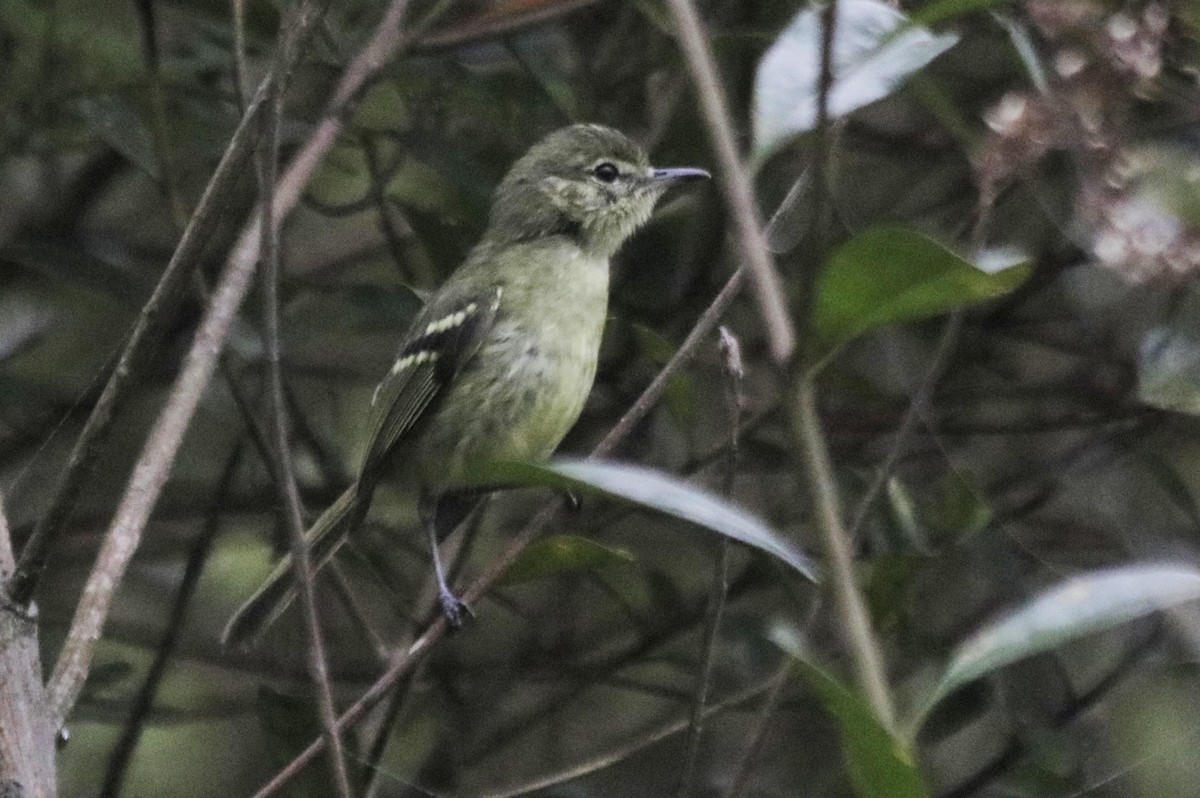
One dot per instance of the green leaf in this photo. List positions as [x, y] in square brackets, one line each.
[892, 274]
[653, 489]
[880, 764]
[559, 554]
[875, 49]
[1083, 604]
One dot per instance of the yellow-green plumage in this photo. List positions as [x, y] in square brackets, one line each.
[498, 364]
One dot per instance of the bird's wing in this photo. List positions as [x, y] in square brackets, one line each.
[445, 336]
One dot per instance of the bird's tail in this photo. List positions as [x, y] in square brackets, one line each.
[323, 539]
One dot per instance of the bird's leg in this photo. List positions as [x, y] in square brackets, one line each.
[448, 512]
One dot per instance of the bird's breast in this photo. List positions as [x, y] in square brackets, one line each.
[525, 388]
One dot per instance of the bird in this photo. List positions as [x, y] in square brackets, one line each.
[499, 362]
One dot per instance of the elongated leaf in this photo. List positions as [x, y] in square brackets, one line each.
[559, 554]
[880, 765]
[654, 489]
[891, 274]
[1079, 606]
[875, 48]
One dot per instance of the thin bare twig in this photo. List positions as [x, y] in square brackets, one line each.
[759, 735]
[154, 464]
[318, 666]
[764, 279]
[149, 325]
[239, 52]
[118, 763]
[649, 398]
[918, 408]
[489, 25]
[733, 373]
[855, 620]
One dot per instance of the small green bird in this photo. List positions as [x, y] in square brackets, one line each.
[498, 364]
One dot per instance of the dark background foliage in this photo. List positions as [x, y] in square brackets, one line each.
[1059, 439]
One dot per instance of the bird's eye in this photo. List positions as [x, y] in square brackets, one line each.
[607, 172]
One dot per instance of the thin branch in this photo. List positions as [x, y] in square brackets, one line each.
[239, 52]
[649, 737]
[764, 279]
[734, 373]
[851, 607]
[758, 737]
[649, 398]
[150, 323]
[854, 619]
[488, 24]
[917, 409]
[318, 666]
[154, 464]
[823, 201]
[131, 733]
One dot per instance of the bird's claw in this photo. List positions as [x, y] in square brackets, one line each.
[455, 609]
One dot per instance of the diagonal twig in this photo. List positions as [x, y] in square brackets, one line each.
[734, 373]
[318, 667]
[163, 443]
[148, 328]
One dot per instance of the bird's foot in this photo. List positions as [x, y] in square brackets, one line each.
[455, 609]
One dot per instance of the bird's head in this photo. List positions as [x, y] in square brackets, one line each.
[589, 182]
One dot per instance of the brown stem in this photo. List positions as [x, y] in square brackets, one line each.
[149, 325]
[764, 279]
[318, 666]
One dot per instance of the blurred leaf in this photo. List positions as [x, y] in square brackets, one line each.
[880, 765]
[790, 220]
[114, 121]
[875, 48]
[653, 489]
[892, 274]
[1026, 49]
[904, 516]
[1169, 177]
[22, 320]
[559, 554]
[887, 584]
[959, 509]
[1087, 603]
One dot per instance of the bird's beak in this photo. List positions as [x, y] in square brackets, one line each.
[674, 173]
